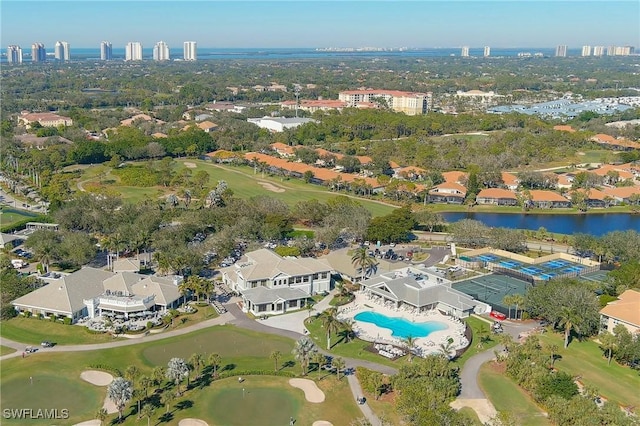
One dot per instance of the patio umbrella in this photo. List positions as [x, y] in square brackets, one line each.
[120, 316]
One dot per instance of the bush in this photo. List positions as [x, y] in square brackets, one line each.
[104, 367]
[66, 321]
[235, 373]
[560, 384]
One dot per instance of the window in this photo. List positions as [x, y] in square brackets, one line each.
[293, 303]
[262, 308]
[291, 280]
[298, 279]
[305, 279]
[315, 276]
[323, 275]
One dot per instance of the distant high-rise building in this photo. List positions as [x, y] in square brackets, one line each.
[487, 51]
[190, 51]
[161, 51]
[624, 50]
[586, 50]
[598, 50]
[38, 52]
[133, 51]
[465, 51]
[61, 51]
[561, 51]
[106, 51]
[14, 54]
[611, 51]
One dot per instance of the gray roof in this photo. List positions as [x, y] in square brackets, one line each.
[264, 264]
[165, 290]
[7, 238]
[261, 295]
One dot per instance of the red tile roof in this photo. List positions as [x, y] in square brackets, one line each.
[543, 195]
[497, 193]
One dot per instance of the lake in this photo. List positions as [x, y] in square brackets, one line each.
[593, 223]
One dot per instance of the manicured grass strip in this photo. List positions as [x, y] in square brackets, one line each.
[33, 331]
[471, 415]
[505, 395]
[616, 383]
[490, 339]
[5, 350]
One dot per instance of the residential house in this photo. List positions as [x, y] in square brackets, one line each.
[497, 196]
[138, 118]
[544, 199]
[565, 181]
[271, 284]
[448, 192]
[564, 128]
[596, 198]
[455, 176]
[410, 173]
[45, 119]
[624, 194]
[510, 180]
[614, 143]
[283, 149]
[207, 126]
[625, 311]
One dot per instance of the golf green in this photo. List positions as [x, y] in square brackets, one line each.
[263, 404]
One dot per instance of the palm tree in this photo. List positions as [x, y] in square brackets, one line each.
[318, 359]
[177, 371]
[569, 321]
[158, 375]
[553, 351]
[214, 360]
[363, 261]
[609, 343]
[347, 329]
[120, 391]
[302, 351]
[409, 343]
[138, 396]
[147, 411]
[197, 361]
[275, 356]
[446, 350]
[482, 334]
[508, 301]
[207, 287]
[518, 300]
[339, 364]
[101, 415]
[132, 373]
[330, 322]
[145, 384]
[167, 399]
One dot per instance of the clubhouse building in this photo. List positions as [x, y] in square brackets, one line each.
[91, 292]
[271, 284]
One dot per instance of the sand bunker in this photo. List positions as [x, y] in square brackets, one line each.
[270, 187]
[189, 165]
[322, 423]
[311, 391]
[192, 422]
[98, 378]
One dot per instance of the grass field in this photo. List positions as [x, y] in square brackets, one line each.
[57, 383]
[9, 216]
[616, 383]
[5, 350]
[489, 340]
[33, 331]
[505, 395]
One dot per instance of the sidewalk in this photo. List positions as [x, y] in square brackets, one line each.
[356, 390]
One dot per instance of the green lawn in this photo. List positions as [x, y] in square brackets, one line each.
[5, 350]
[505, 395]
[10, 215]
[616, 383]
[33, 331]
[56, 376]
[489, 341]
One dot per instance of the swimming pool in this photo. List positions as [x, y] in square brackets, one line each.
[400, 327]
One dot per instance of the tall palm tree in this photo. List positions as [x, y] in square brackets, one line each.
[363, 261]
[132, 373]
[302, 351]
[508, 300]
[553, 351]
[275, 356]
[446, 350]
[167, 399]
[569, 320]
[409, 343]
[147, 411]
[197, 361]
[158, 375]
[609, 343]
[518, 300]
[347, 326]
[214, 360]
[120, 391]
[145, 384]
[339, 364]
[319, 359]
[177, 371]
[330, 322]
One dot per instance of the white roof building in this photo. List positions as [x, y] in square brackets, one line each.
[279, 124]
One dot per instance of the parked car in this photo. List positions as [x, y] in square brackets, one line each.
[46, 344]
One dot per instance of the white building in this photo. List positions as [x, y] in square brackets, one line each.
[14, 54]
[161, 51]
[38, 52]
[190, 51]
[279, 124]
[487, 51]
[106, 51]
[586, 50]
[410, 103]
[598, 51]
[465, 52]
[133, 51]
[61, 51]
[561, 51]
[271, 284]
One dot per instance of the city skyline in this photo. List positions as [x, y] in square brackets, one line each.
[306, 23]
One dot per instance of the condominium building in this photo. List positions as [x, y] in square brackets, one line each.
[61, 51]
[561, 51]
[487, 51]
[190, 51]
[133, 51]
[106, 51]
[161, 51]
[611, 50]
[624, 50]
[465, 52]
[14, 54]
[410, 103]
[598, 51]
[38, 52]
[586, 50]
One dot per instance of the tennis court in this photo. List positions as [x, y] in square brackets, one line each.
[543, 271]
[492, 288]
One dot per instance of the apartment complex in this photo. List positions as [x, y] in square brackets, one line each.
[586, 50]
[38, 52]
[46, 119]
[161, 51]
[598, 51]
[561, 51]
[465, 52]
[106, 51]
[133, 51]
[14, 54]
[620, 50]
[61, 51]
[487, 51]
[410, 103]
[190, 51]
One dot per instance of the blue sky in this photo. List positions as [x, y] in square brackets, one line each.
[498, 23]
